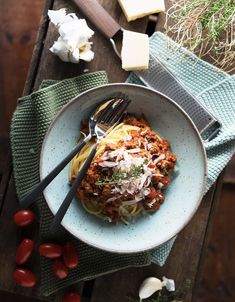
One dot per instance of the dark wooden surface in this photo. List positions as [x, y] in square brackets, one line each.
[190, 250]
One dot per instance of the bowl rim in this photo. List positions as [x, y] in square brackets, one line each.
[205, 166]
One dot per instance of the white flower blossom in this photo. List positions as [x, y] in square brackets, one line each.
[73, 43]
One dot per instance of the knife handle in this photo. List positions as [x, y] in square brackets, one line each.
[99, 17]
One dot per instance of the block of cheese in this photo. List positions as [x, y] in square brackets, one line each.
[135, 51]
[134, 9]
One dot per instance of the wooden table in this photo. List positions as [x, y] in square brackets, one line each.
[187, 256]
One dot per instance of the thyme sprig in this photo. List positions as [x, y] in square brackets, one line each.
[119, 177]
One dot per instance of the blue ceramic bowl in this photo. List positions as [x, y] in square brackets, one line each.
[182, 197]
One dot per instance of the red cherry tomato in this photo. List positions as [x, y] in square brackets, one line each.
[24, 217]
[70, 255]
[24, 277]
[59, 269]
[50, 250]
[24, 251]
[72, 296]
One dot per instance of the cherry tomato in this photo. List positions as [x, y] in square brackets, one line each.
[72, 296]
[24, 251]
[24, 277]
[59, 269]
[24, 217]
[70, 255]
[50, 250]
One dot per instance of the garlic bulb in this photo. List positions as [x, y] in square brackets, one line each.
[149, 286]
[73, 43]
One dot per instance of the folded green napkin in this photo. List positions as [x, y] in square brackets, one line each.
[35, 112]
[31, 119]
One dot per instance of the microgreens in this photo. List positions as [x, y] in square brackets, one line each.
[205, 27]
[118, 177]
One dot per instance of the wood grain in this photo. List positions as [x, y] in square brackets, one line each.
[18, 29]
[230, 172]
[45, 65]
[186, 254]
[181, 264]
[217, 275]
[105, 58]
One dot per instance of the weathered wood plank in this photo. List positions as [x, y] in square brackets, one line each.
[45, 65]
[215, 281]
[5, 168]
[208, 230]
[18, 29]
[181, 264]
[105, 58]
[37, 49]
[10, 237]
[229, 177]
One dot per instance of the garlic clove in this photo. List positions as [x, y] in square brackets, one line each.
[72, 36]
[87, 54]
[73, 44]
[85, 28]
[57, 17]
[74, 55]
[149, 286]
[60, 48]
[169, 284]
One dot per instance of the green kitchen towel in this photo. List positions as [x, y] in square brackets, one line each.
[31, 119]
[213, 88]
[35, 112]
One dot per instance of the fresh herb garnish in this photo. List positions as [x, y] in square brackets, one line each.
[118, 177]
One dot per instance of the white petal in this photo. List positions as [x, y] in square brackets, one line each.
[149, 286]
[60, 49]
[169, 284]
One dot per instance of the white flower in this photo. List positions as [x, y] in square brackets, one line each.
[169, 284]
[73, 43]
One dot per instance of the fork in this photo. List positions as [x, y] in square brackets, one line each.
[109, 119]
[103, 110]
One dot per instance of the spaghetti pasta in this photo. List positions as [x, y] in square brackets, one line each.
[128, 174]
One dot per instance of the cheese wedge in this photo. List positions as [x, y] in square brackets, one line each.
[134, 9]
[135, 51]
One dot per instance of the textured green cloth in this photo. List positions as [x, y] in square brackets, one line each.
[211, 86]
[35, 112]
[30, 122]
